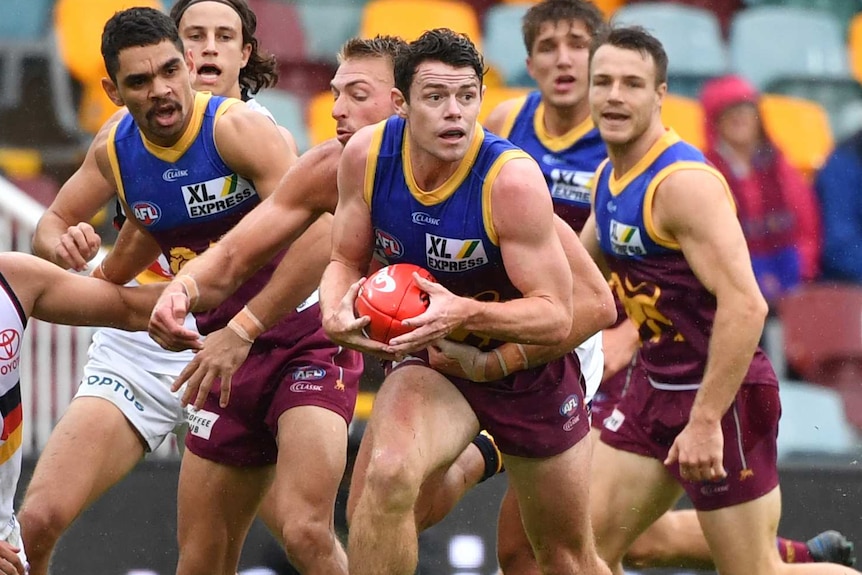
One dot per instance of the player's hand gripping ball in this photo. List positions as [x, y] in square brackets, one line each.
[390, 296]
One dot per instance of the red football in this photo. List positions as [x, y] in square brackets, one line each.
[389, 296]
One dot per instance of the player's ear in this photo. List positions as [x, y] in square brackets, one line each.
[399, 103]
[113, 93]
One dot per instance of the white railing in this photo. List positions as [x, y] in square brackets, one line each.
[53, 356]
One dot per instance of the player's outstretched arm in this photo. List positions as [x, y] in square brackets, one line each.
[715, 249]
[133, 252]
[54, 295]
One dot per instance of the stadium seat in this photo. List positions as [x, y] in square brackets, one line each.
[691, 37]
[817, 421]
[823, 339]
[279, 30]
[410, 18]
[327, 27]
[770, 42]
[842, 10]
[722, 9]
[79, 34]
[496, 95]
[305, 78]
[800, 128]
[840, 97]
[854, 45]
[321, 125]
[685, 116]
[608, 7]
[504, 48]
[288, 111]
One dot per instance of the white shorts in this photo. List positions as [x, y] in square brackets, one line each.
[144, 397]
[592, 357]
[12, 535]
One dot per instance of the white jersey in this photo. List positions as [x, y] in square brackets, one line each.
[260, 109]
[592, 357]
[12, 324]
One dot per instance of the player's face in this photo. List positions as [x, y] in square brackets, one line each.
[559, 61]
[739, 125]
[444, 105]
[153, 83]
[212, 32]
[624, 100]
[362, 90]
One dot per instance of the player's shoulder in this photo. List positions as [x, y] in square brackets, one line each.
[497, 118]
[357, 148]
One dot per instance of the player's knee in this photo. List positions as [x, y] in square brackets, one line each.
[516, 558]
[42, 523]
[306, 542]
[392, 481]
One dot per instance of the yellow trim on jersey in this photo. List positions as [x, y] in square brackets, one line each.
[558, 143]
[371, 161]
[173, 153]
[12, 444]
[490, 177]
[451, 184]
[114, 161]
[223, 107]
[148, 277]
[653, 186]
[594, 181]
[511, 116]
[668, 139]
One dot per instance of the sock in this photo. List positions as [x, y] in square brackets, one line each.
[794, 551]
[491, 455]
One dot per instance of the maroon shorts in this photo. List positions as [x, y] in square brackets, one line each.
[607, 397]
[647, 420]
[311, 371]
[538, 412]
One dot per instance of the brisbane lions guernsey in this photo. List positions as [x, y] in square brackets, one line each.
[448, 230]
[673, 311]
[568, 161]
[12, 324]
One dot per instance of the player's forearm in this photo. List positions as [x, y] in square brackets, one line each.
[216, 275]
[133, 253]
[336, 281]
[736, 331]
[535, 320]
[138, 302]
[47, 235]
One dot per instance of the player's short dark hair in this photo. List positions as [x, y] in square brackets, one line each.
[560, 11]
[381, 46]
[135, 27]
[438, 45]
[261, 70]
[637, 39]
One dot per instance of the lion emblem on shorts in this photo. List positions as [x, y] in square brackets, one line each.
[179, 257]
[339, 385]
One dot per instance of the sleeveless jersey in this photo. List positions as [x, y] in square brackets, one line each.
[12, 324]
[674, 312]
[186, 197]
[448, 230]
[568, 161]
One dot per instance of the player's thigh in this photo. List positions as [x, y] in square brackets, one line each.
[628, 492]
[91, 449]
[553, 496]
[746, 551]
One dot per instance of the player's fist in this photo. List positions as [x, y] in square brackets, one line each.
[77, 246]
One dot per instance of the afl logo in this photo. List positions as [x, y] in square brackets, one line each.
[387, 245]
[146, 213]
[10, 342]
[569, 406]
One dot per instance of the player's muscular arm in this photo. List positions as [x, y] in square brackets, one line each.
[590, 241]
[495, 120]
[63, 235]
[133, 252]
[716, 251]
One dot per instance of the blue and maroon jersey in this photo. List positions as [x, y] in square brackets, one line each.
[568, 161]
[674, 312]
[448, 231]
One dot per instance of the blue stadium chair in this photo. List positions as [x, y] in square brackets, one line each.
[843, 10]
[504, 48]
[813, 421]
[771, 42]
[289, 111]
[691, 37]
[327, 27]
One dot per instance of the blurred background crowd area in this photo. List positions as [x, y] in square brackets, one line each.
[768, 89]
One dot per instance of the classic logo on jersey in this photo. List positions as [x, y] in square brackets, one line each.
[309, 373]
[172, 174]
[147, 213]
[304, 386]
[424, 219]
[10, 343]
[215, 196]
[626, 240]
[453, 255]
[571, 185]
[386, 245]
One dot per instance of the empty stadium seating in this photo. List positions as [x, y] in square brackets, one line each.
[685, 116]
[410, 18]
[288, 111]
[320, 123]
[800, 128]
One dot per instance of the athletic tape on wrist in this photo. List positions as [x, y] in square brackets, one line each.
[246, 325]
[523, 351]
[503, 367]
[191, 287]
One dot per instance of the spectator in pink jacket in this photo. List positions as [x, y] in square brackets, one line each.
[777, 207]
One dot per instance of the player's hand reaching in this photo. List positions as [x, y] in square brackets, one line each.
[344, 328]
[167, 322]
[442, 317]
[222, 354]
[10, 562]
[77, 246]
[699, 450]
[458, 360]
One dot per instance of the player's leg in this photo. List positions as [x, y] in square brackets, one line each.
[514, 553]
[91, 449]
[674, 540]
[420, 424]
[312, 454]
